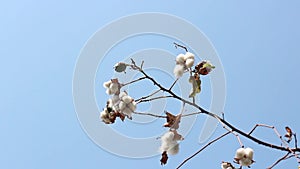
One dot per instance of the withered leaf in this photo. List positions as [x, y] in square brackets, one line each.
[164, 158]
[177, 136]
[120, 115]
[204, 67]
[288, 134]
[172, 120]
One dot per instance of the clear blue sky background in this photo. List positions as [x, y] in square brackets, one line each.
[257, 42]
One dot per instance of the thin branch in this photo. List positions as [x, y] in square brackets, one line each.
[181, 46]
[191, 114]
[145, 97]
[186, 160]
[279, 160]
[141, 78]
[154, 98]
[295, 137]
[173, 84]
[150, 114]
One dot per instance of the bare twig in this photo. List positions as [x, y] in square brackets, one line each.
[181, 46]
[145, 97]
[150, 114]
[141, 78]
[218, 138]
[173, 84]
[154, 98]
[295, 137]
[279, 160]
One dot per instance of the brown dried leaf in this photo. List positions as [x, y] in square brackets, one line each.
[172, 120]
[120, 115]
[177, 136]
[288, 134]
[164, 158]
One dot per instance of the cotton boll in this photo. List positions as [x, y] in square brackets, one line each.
[189, 55]
[106, 84]
[249, 153]
[240, 153]
[127, 99]
[173, 148]
[178, 70]
[189, 63]
[180, 59]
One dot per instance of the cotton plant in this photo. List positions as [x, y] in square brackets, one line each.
[121, 105]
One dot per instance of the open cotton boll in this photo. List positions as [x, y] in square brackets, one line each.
[249, 153]
[178, 70]
[180, 59]
[189, 55]
[240, 153]
[189, 63]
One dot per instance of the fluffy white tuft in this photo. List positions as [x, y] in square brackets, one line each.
[178, 70]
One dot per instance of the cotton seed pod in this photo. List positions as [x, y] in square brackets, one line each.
[120, 67]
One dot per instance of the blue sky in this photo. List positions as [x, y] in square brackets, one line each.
[257, 43]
